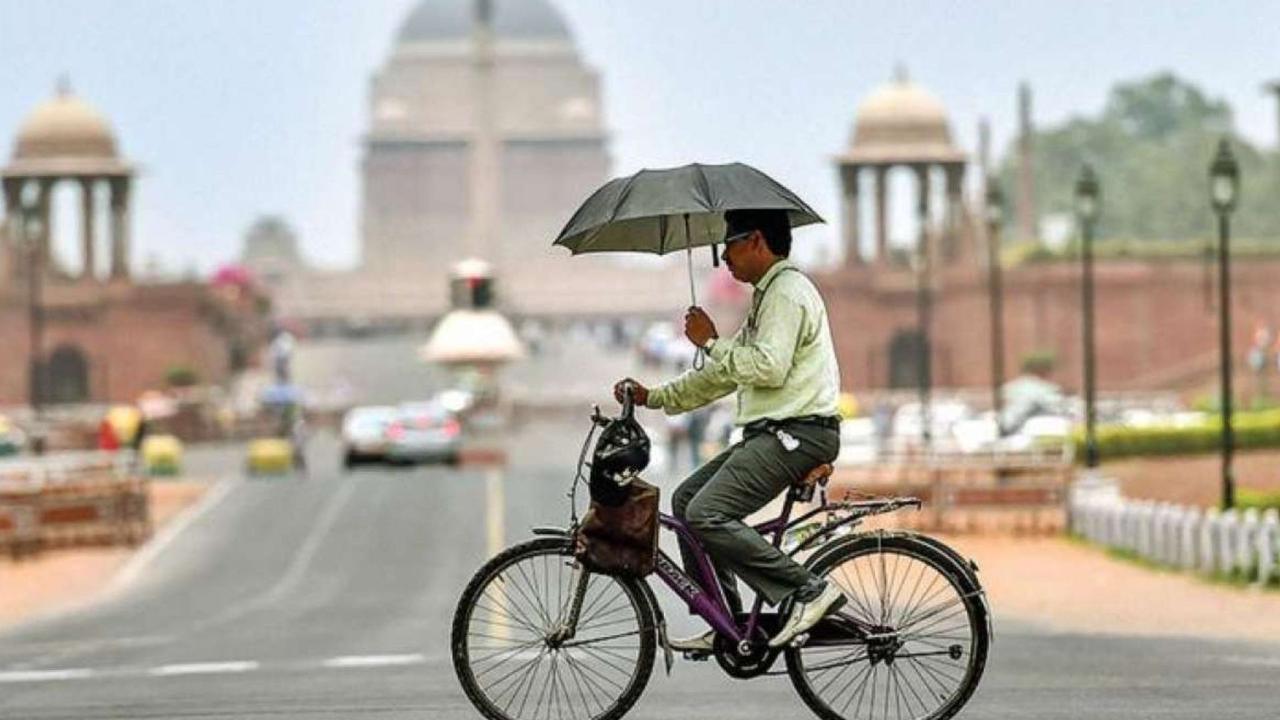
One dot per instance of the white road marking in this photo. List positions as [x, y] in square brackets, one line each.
[208, 668]
[347, 662]
[1253, 661]
[22, 676]
[495, 509]
[162, 540]
[355, 661]
[296, 568]
[495, 512]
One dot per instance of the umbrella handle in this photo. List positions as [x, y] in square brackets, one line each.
[699, 356]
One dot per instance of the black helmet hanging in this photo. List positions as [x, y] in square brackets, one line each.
[621, 453]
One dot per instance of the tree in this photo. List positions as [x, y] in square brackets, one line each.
[1151, 147]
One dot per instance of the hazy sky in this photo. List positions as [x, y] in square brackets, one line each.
[233, 108]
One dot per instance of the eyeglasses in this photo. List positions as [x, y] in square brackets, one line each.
[738, 236]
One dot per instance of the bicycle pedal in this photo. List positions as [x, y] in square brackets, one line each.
[696, 655]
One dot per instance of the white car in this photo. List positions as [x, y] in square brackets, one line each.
[364, 434]
[424, 432]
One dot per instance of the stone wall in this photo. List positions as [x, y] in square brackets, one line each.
[129, 336]
[1154, 329]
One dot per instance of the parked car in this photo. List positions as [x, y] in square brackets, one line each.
[424, 432]
[364, 433]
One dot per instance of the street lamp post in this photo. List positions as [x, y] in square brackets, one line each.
[995, 218]
[32, 230]
[924, 379]
[1088, 198]
[1224, 189]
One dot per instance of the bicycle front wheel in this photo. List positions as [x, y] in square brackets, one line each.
[508, 647]
[910, 642]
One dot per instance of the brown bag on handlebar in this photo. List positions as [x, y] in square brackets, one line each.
[621, 539]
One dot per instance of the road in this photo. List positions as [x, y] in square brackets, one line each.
[331, 598]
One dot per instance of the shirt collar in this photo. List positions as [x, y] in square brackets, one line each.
[774, 269]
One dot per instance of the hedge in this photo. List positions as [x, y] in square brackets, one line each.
[1128, 249]
[1253, 431]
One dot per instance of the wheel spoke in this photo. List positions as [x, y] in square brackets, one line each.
[908, 672]
[511, 668]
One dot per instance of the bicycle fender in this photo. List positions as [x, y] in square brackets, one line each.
[968, 569]
[659, 624]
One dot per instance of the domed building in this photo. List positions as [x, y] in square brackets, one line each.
[900, 125]
[87, 332]
[483, 137]
[64, 139]
[485, 133]
[1152, 328]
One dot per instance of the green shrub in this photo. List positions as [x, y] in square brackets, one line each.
[1039, 362]
[1253, 431]
[1261, 499]
[1193, 249]
[181, 376]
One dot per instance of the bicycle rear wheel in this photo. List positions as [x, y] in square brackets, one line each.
[928, 640]
[508, 659]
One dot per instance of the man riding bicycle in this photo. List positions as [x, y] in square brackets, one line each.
[782, 364]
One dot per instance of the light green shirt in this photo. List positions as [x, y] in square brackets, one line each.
[781, 361]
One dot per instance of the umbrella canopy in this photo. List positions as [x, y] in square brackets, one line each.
[661, 211]
[280, 395]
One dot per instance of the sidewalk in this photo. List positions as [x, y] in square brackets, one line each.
[1072, 587]
[57, 578]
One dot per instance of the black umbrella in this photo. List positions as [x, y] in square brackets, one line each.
[663, 211]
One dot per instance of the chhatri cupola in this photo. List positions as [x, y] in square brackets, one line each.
[65, 139]
[899, 125]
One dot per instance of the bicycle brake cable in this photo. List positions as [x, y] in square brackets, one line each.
[577, 477]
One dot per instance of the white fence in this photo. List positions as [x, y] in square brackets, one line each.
[1239, 544]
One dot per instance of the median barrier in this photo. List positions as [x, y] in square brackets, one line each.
[74, 500]
[482, 456]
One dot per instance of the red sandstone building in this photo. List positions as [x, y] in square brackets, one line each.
[1154, 328]
[101, 336]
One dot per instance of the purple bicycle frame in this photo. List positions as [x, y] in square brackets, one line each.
[709, 602]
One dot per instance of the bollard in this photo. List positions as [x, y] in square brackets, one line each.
[1191, 519]
[1267, 538]
[1130, 524]
[1172, 534]
[1161, 529]
[1224, 542]
[1208, 541]
[1150, 534]
[1246, 543]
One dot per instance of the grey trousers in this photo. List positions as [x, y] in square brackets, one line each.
[744, 478]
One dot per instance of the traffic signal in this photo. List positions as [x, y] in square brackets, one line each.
[471, 287]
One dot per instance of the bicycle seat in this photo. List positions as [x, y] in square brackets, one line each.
[817, 476]
[802, 489]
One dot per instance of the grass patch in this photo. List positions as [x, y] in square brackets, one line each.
[1260, 499]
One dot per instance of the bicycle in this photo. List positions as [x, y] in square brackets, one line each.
[536, 634]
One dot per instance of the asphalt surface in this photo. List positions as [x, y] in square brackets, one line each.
[331, 597]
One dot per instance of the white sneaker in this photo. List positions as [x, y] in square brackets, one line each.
[806, 615]
[697, 643]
